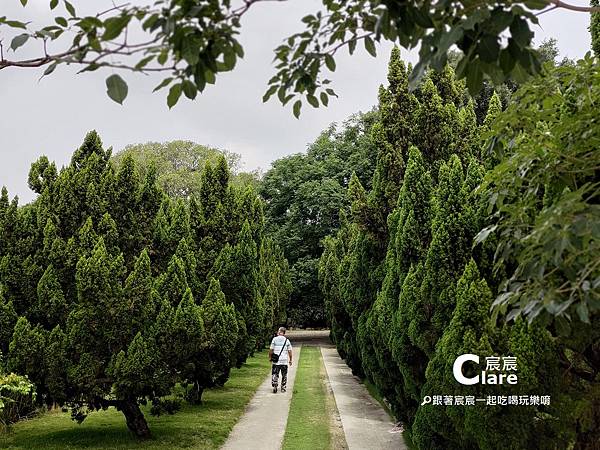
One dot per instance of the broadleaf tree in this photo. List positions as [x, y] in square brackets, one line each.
[191, 43]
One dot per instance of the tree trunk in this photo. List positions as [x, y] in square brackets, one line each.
[194, 395]
[136, 422]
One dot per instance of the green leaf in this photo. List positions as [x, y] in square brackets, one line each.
[488, 48]
[520, 32]
[53, 4]
[162, 84]
[162, 57]
[18, 41]
[15, 24]
[229, 59]
[474, 77]
[448, 39]
[24, 2]
[189, 89]
[61, 21]
[70, 8]
[50, 68]
[296, 108]
[174, 94]
[269, 93]
[370, 46]
[352, 46]
[114, 26]
[324, 98]
[116, 88]
[330, 62]
[312, 100]
[583, 312]
[144, 61]
[209, 76]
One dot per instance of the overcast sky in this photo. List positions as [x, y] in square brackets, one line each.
[51, 117]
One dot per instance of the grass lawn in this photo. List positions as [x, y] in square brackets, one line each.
[308, 425]
[205, 426]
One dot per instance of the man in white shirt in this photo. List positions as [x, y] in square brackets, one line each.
[280, 354]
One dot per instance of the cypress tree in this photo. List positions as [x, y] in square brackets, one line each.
[172, 284]
[56, 362]
[237, 270]
[8, 319]
[494, 110]
[448, 253]
[435, 124]
[595, 28]
[444, 82]
[98, 279]
[26, 353]
[469, 331]
[217, 355]
[52, 306]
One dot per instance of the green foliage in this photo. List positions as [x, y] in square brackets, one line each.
[17, 396]
[555, 206]
[178, 164]
[193, 45]
[8, 319]
[303, 194]
[595, 28]
[407, 295]
[98, 313]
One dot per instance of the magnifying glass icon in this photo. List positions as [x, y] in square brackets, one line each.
[426, 400]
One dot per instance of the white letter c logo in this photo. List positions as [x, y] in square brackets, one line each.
[457, 369]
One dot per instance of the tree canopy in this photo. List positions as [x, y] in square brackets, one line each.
[481, 242]
[179, 165]
[192, 42]
[111, 292]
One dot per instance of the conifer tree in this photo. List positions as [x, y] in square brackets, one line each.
[237, 270]
[172, 284]
[8, 319]
[215, 359]
[101, 276]
[52, 305]
[595, 29]
[435, 124]
[446, 257]
[470, 331]
[445, 84]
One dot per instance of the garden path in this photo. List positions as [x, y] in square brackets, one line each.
[263, 424]
[366, 424]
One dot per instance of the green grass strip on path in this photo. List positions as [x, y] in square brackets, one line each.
[204, 426]
[308, 425]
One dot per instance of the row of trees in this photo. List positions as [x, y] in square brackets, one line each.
[407, 291]
[111, 291]
[304, 192]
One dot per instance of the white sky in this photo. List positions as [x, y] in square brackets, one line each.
[52, 116]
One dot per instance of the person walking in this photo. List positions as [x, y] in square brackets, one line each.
[280, 354]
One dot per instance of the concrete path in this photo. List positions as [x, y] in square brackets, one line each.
[263, 424]
[365, 422]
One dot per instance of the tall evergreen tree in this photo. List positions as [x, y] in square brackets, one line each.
[100, 277]
[595, 29]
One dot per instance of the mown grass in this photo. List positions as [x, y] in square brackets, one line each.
[308, 425]
[194, 427]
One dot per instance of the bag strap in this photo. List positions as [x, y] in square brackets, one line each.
[281, 351]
